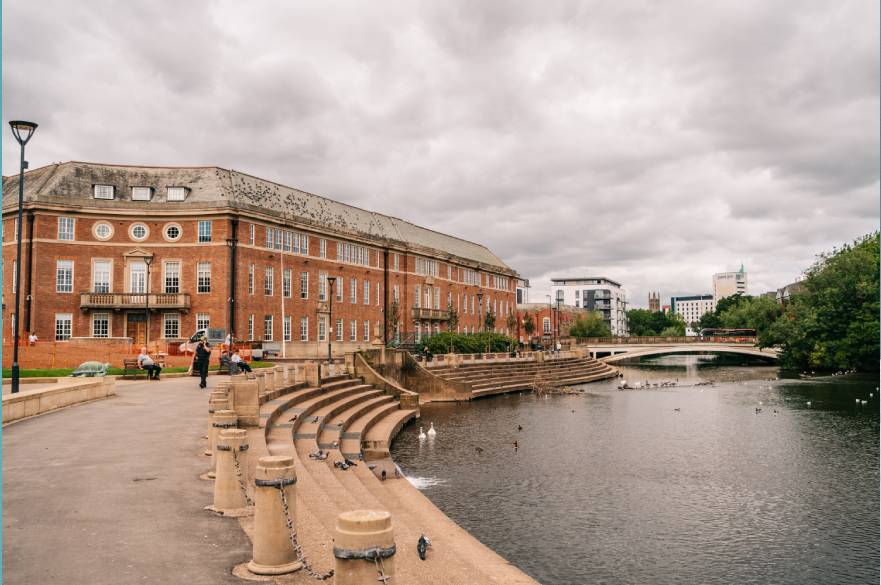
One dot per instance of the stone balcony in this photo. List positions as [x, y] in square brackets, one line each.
[118, 301]
[430, 314]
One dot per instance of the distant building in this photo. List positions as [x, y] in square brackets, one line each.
[654, 301]
[693, 307]
[595, 293]
[726, 284]
[522, 291]
[546, 321]
[666, 309]
[784, 294]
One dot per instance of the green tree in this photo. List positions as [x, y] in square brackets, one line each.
[590, 325]
[757, 313]
[639, 322]
[833, 323]
[489, 321]
[675, 327]
[452, 318]
[529, 325]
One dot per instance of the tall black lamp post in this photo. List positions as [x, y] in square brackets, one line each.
[550, 320]
[148, 260]
[330, 282]
[559, 333]
[480, 309]
[22, 131]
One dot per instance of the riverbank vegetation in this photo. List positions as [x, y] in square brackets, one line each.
[645, 323]
[832, 324]
[590, 325]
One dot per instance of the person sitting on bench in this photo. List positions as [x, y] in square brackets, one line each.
[239, 362]
[145, 362]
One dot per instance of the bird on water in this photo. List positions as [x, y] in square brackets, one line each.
[422, 434]
[431, 431]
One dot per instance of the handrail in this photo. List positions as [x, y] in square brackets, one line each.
[663, 340]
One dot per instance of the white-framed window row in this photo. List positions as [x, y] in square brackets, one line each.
[64, 276]
[286, 277]
[102, 276]
[176, 193]
[142, 193]
[138, 231]
[366, 292]
[304, 328]
[251, 269]
[204, 233]
[426, 267]
[63, 326]
[470, 277]
[286, 240]
[104, 191]
[101, 325]
[171, 325]
[251, 327]
[353, 290]
[171, 278]
[268, 281]
[267, 328]
[501, 282]
[203, 321]
[66, 228]
[203, 277]
[304, 285]
[286, 328]
[352, 254]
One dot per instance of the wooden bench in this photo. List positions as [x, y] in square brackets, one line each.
[130, 367]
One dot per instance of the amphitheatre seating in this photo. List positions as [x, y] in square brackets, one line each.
[350, 420]
[489, 378]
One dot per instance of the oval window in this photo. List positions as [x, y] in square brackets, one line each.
[172, 231]
[103, 231]
[138, 231]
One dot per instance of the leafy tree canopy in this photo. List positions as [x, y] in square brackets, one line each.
[590, 325]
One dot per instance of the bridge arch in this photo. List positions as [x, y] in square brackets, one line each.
[622, 352]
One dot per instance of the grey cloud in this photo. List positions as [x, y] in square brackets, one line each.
[653, 142]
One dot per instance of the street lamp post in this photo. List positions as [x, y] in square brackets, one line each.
[148, 260]
[480, 311]
[558, 322]
[330, 282]
[22, 131]
[550, 320]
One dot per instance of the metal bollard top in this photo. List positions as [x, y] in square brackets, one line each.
[362, 530]
[273, 467]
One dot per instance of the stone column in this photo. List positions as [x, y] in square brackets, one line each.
[279, 377]
[293, 374]
[269, 379]
[273, 552]
[222, 419]
[228, 494]
[246, 398]
[363, 545]
[310, 371]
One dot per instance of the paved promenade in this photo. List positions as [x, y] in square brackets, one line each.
[108, 493]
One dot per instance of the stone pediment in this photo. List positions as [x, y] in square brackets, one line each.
[137, 253]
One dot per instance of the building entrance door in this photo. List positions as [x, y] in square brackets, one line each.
[136, 328]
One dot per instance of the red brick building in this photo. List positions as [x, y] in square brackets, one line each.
[547, 322]
[206, 246]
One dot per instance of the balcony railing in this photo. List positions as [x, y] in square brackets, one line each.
[91, 300]
[431, 314]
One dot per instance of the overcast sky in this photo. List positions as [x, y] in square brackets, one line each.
[651, 142]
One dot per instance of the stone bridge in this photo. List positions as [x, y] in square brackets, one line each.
[620, 350]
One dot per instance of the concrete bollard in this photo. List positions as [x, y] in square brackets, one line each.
[363, 547]
[246, 398]
[216, 401]
[228, 488]
[273, 552]
[268, 379]
[293, 374]
[260, 376]
[279, 377]
[222, 419]
[311, 373]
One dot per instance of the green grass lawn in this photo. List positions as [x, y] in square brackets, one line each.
[63, 372]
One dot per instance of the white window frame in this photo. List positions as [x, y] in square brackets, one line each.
[353, 290]
[322, 329]
[268, 281]
[203, 278]
[286, 328]
[366, 330]
[353, 330]
[65, 286]
[96, 318]
[203, 321]
[204, 235]
[95, 272]
[251, 269]
[167, 320]
[322, 248]
[267, 327]
[167, 274]
[338, 329]
[66, 330]
[251, 327]
[66, 228]
[142, 193]
[304, 328]
[104, 191]
[366, 286]
[176, 193]
[286, 285]
[251, 233]
[304, 285]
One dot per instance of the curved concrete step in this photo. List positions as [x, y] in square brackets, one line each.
[310, 428]
[331, 430]
[350, 445]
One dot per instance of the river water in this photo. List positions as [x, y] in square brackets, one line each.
[617, 487]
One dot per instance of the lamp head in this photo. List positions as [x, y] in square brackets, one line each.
[22, 130]
[148, 260]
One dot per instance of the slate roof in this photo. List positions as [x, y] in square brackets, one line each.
[70, 184]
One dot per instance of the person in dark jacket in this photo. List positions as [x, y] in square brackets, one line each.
[203, 353]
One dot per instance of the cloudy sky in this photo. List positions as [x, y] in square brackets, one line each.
[652, 142]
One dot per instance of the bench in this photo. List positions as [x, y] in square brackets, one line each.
[130, 367]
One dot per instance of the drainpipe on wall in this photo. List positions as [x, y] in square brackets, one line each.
[233, 244]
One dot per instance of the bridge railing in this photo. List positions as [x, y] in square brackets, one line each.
[663, 340]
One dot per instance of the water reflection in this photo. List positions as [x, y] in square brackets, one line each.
[615, 486]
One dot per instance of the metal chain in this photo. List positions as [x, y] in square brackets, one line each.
[383, 578]
[235, 460]
[293, 534]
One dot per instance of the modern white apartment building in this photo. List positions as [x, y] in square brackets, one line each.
[595, 293]
[693, 307]
[726, 284]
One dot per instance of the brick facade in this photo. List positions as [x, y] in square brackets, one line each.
[122, 249]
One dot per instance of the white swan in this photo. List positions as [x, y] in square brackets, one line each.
[809, 402]
[421, 433]
[431, 431]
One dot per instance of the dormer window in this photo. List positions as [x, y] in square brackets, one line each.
[104, 191]
[177, 193]
[142, 193]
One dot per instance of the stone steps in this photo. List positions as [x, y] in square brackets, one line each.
[350, 443]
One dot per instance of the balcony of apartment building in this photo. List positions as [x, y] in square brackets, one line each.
[430, 314]
[120, 301]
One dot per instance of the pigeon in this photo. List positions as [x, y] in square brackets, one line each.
[422, 546]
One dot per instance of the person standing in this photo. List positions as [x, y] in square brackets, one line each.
[203, 353]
